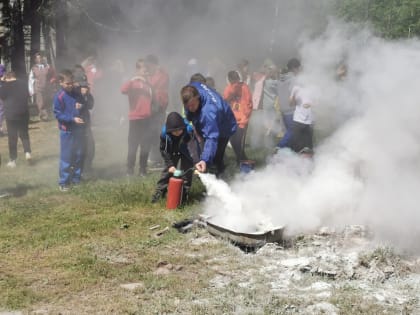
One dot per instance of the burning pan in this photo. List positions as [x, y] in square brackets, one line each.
[249, 240]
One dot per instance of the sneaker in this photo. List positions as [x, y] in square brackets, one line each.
[64, 188]
[130, 172]
[11, 164]
[156, 196]
[28, 156]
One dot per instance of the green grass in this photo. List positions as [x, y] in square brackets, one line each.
[70, 252]
[80, 239]
[55, 245]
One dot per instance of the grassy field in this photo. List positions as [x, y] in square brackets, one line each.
[93, 250]
[70, 252]
[58, 246]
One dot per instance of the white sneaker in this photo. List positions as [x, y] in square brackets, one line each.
[11, 164]
[28, 156]
[64, 188]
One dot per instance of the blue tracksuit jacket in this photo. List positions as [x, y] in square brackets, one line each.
[213, 120]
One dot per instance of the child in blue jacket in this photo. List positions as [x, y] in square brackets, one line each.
[177, 144]
[72, 113]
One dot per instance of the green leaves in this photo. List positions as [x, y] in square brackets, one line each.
[391, 18]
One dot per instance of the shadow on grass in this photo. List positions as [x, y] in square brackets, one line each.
[44, 157]
[110, 172]
[19, 191]
[34, 122]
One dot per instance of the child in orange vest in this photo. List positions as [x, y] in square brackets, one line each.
[239, 97]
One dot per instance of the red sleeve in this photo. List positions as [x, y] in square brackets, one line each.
[125, 87]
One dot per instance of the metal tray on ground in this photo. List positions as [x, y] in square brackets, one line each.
[246, 240]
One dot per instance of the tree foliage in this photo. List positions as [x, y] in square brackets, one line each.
[390, 18]
[70, 30]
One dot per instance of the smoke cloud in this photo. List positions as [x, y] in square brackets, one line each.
[367, 163]
[366, 166]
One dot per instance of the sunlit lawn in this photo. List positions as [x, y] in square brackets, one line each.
[54, 244]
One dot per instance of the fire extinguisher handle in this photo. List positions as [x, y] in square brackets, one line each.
[186, 171]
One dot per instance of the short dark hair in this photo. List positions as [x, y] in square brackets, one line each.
[198, 77]
[188, 92]
[233, 76]
[65, 74]
[293, 64]
[210, 82]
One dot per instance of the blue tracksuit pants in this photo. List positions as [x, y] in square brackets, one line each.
[71, 155]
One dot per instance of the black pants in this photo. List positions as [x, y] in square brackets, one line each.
[301, 136]
[237, 140]
[140, 134]
[218, 161]
[186, 164]
[89, 151]
[15, 129]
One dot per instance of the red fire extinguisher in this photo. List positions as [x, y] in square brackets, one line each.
[175, 188]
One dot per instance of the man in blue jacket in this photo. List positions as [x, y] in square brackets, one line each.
[213, 121]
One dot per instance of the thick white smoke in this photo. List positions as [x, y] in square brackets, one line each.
[367, 164]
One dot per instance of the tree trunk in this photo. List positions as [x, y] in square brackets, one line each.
[6, 24]
[18, 42]
[61, 26]
[35, 22]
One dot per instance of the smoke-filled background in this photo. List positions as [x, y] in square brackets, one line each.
[214, 34]
[366, 166]
[367, 170]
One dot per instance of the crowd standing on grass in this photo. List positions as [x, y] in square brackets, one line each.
[267, 106]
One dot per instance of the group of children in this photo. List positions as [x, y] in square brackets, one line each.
[183, 142]
[280, 95]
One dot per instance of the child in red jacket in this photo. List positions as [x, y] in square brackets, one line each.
[141, 125]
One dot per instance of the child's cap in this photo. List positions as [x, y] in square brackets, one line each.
[81, 79]
[84, 84]
[174, 121]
